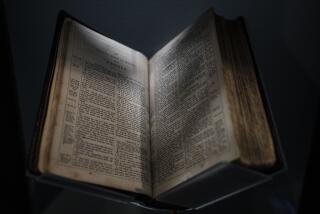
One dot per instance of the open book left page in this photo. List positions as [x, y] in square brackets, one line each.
[97, 123]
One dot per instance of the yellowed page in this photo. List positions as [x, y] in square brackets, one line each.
[97, 124]
[191, 127]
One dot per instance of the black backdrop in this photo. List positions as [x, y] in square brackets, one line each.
[285, 40]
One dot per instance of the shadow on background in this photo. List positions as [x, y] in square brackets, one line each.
[14, 183]
[284, 36]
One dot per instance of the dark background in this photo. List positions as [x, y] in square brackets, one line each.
[284, 36]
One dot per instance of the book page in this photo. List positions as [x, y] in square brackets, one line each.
[97, 123]
[191, 128]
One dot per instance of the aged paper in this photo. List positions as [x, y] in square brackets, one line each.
[190, 120]
[97, 125]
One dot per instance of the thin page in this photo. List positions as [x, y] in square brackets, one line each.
[97, 124]
[191, 128]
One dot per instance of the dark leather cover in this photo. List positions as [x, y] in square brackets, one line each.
[33, 155]
[218, 182]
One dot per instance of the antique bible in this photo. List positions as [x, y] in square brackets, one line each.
[118, 119]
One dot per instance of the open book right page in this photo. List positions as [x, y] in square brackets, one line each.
[191, 128]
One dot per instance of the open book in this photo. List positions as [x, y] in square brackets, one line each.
[118, 119]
